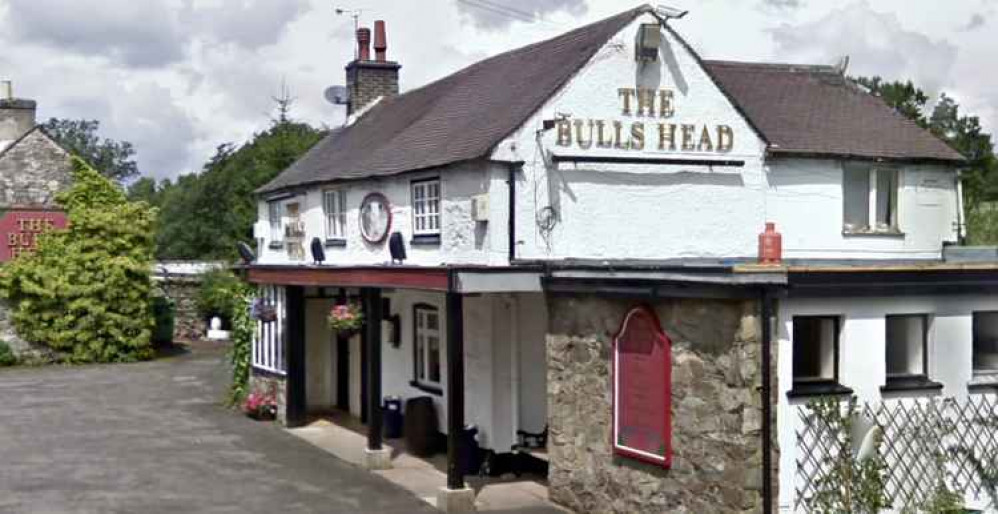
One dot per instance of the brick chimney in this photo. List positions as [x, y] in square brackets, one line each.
[17, 115]
[366, 79]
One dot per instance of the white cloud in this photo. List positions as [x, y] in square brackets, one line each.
[877, 43]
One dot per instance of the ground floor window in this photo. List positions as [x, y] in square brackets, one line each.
[985, 336]
[816, 349]
[268, 345]
[906, 341]
[426, 346]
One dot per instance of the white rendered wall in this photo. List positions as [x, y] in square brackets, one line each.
[806, 202]
[862, 354]
[630, 211]
[489, 398]
[463, 240]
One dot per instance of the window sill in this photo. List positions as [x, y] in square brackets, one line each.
[872, 233]
[427, 389]
[984, 381]
[276, 245]
[425, 239]
[910, 383]
[336, 243]
[809, 389]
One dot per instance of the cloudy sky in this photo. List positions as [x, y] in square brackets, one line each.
[179, 77]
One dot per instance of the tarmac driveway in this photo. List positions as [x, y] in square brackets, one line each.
[153, 437]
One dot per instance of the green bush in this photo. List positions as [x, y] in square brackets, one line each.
[163, 313]
[85, 291]
[7, 357]
[220, 292]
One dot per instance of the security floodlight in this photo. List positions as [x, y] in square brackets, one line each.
[318, 253]
[670, 12]
[245, 252]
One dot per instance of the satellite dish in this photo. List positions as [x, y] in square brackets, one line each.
[337, 95]
[246, 253]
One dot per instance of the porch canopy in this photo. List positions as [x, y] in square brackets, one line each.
[454, 281]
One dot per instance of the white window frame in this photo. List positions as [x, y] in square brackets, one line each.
[335, 209]
[426, 199]
[275, 215]
[872, 195]
[422, 350]
[270, 338]
[826, 361]
[984, 365]
[923, 344]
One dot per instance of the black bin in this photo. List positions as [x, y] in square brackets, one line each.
[420, 426]
[392, 409]
[470, 455]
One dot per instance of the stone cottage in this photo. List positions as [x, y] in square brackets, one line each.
[33, 168]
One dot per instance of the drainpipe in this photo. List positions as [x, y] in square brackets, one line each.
[959, 208]
[767, 407]
[513, 167]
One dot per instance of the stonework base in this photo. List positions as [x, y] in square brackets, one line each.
[716, 409]
[456, 500]
[377, 460]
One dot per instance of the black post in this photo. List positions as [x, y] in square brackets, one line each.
[295, 305]
[372, 326]
[767, 408]
[455, 387]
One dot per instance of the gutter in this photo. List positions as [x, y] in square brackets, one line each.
[511, 181]
[960, 238]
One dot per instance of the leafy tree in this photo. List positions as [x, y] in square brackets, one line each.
[112, 158]
[203, 216]
[903, 97]
[85, 291]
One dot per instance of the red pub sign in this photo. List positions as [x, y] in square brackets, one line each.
[19, 230]
[642, 389]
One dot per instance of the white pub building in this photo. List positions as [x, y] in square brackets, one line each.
[561, 245]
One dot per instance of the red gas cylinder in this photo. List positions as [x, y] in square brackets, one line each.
[770, 245]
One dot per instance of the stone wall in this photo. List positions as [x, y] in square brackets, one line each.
[267, 382]
[33, 171]
[716, 409]
[187, 323]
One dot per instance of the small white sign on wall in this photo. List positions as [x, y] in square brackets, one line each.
[929, 192]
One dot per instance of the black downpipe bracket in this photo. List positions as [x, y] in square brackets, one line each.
[767, 404]
[455, 382]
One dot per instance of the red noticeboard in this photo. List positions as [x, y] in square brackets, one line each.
[19, 230]
[642, 389]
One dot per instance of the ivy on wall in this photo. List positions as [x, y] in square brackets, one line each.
[85, 291]
[243, 328]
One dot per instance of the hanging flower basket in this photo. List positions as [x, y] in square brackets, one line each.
[345, 318]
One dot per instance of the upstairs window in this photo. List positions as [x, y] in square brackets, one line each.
[276, 216]
[870, 198]
[427, 347]
[426, 207]
[985, 336]
[334, 205]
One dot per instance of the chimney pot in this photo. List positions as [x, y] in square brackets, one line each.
[380, 41]
[364, 44]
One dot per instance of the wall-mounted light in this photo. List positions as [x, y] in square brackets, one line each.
[646, 47]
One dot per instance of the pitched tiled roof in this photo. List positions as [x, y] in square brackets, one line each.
[816, 111]
[799, 110]
[457, 118]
